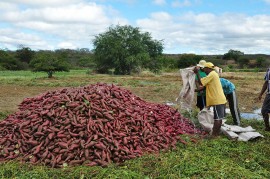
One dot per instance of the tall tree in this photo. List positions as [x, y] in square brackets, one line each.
[233, 55]
[125, 48]
[48, 62]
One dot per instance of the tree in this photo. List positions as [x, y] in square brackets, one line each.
[187, 60]
[260, 62]
[25, 54]
[169, 62]
[243, 62]
[124, 49]
[47, 62]
[86, 62]
[233, 55]
[9, 62]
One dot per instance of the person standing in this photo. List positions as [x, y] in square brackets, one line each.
[229, 91]
[266, 103]
[214, 95]
[201, 94]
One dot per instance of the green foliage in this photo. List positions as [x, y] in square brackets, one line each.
[243, 61]
[9, 62]
[228, 68]
[79, 58]
[216, 61]
[233, 55]
[25, 54]
[125, 49]
[169, 62]
[187, 60]
[86, 62]
[49, 63]
[261, 62]
[3, 115]
[216, 158]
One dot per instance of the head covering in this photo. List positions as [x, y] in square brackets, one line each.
[209, 65]
[201, 63]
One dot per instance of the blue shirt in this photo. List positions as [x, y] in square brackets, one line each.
[267, 78]
[227, 86]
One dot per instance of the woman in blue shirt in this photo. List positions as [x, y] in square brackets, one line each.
[229, 91]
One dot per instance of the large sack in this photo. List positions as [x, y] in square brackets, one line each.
[206, 120]
[186, 95]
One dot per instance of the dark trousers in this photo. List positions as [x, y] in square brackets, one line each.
[233, 105]
[201, 102]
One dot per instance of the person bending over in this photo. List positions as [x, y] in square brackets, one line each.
[214, 95]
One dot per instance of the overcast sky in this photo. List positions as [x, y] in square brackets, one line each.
[185, 26]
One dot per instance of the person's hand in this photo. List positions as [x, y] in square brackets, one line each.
[195, 70]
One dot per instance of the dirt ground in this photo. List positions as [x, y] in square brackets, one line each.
[163, 88]
[11, 95]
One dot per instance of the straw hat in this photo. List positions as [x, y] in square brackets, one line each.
[201, 63]
[209, 65]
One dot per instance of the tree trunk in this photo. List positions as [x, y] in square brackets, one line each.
[50, 73]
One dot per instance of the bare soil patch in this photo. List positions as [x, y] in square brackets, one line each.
[12, 95]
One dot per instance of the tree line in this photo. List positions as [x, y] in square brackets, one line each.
[121, 50]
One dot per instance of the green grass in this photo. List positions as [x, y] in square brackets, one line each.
[216, 158]
[219, 158]
[28, 78]
[207, 158]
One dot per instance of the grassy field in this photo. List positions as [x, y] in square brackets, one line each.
[218, 158]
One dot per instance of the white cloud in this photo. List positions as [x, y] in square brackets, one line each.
[44, 3]
[79, 13]
[10, 38]
[6, 6]
[74, 24]
[159, 2]
[267, 1]
[66, 24]
[66, 45]
[209, 33]
[183, 3]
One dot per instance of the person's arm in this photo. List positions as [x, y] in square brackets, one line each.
[196, 71]
[264, 87]
[200, 89]
[197, 86]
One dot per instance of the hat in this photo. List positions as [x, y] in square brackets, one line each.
[201, 63]
[209, 65]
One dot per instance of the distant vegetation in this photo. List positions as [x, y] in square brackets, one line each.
[122, 50]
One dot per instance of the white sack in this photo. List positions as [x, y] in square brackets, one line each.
[186, 94]
[206, 119]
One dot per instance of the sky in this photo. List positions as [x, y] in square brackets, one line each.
[205, 27]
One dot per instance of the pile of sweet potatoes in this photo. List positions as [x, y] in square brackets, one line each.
[92, 125]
